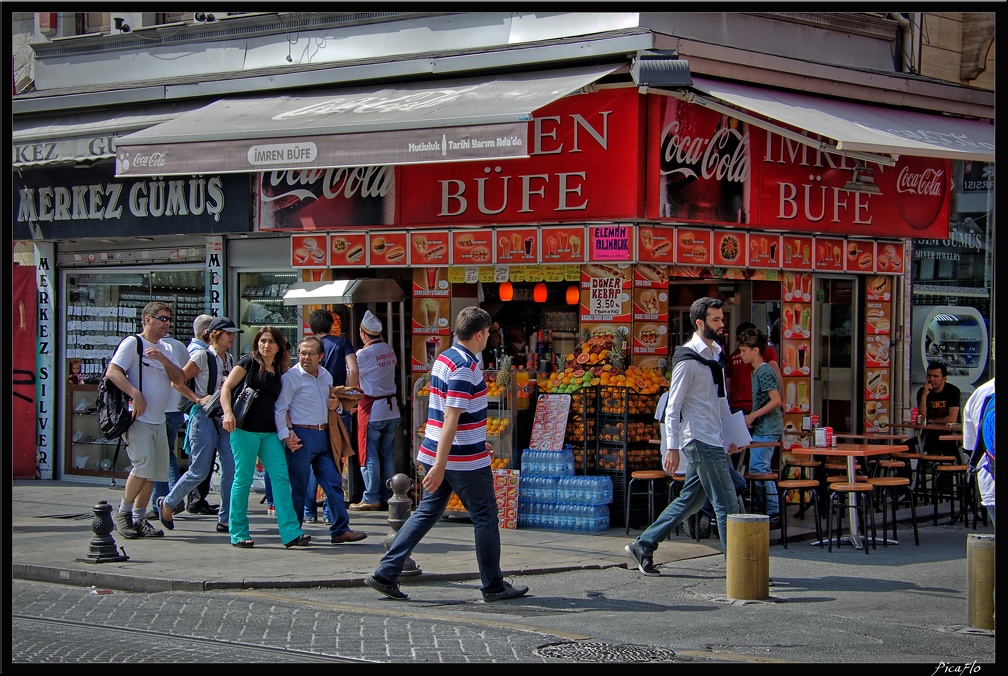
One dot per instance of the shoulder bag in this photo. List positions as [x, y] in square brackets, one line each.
[241, 403]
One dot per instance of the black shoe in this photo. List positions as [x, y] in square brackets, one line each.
[302, 540]
[703, 526]
[390, 589]
[201, 507]
[642, 559]
[222, 527]
[774, 521]
[505, 594]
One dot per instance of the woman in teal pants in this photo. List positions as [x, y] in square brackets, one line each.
[257, 438]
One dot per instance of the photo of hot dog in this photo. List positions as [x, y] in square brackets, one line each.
[355, 253]
[603, 270]
[652, 272]
[435, 252]
[396, 253]
[661, 249]
[464, 242]
[879, 285]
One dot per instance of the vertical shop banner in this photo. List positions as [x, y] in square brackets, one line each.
[472, 247]
[655, 243]
[860, 255]
[430, 328]
[583, 165]
[650, 321]
[45, 360]
[608, 297]
[348, 250]
[324, 199]
[518, 246]
[23, 372]
[611, 242]
[215, 265]
[390, 249]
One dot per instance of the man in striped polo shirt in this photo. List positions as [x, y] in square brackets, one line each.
[457, 459]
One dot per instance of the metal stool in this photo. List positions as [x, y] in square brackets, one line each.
[840, 495]
[802, 485]
[957, 489]
[891, 487]
[651, 476]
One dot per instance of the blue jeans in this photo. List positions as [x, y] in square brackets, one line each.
[268, 488]
[476, 491]
[707, 475]
[205, 434]
[759, 461]
[314, 455]
[379, 466]
[737, 479]
[173, 423]
[311, 501]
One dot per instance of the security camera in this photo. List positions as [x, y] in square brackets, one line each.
[199, 16]
[120, 24]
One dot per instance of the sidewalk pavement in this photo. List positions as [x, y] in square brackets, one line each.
[51, 530]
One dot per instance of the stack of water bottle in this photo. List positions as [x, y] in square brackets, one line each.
[551, 496]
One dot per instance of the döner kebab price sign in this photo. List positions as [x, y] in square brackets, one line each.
[608, 292]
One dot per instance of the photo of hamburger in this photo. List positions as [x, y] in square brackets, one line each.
[649, 334]
[378, 244]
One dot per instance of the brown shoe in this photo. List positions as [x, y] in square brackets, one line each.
[348, 536]
[364, 507]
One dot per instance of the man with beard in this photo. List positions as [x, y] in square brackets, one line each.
[697, 405]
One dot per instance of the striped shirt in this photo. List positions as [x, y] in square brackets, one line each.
[457, 381]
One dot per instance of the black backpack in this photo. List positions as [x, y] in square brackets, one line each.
[114, 414]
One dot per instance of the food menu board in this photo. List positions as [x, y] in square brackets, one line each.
[431, 316]
[730, 248]
[348, 250]
[472, 247]
[796, 359]
[309, 251]
[889, 257]
[796, 252]
[426, 349]
[521, 245]
[655, 243]
[429, 247]
[860, 255]
[796, 395]
[693, 246]
[796, 320]
[877, 351]
[878, 313]
[797, 286]
[649, 274]
[877, 416]
[550, 422]
[877, 384]
[650, 321]
[879, 287]
[557, 246]
[829, 254]
[432, 281]
[764, 250]
[389, 249]
[611, 242]
[608, 297]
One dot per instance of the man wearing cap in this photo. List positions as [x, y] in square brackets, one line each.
[377, 414]
[205, 434]
[301, 414]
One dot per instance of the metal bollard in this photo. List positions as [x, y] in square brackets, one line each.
[748, 557]
[399, 509]
[980, 581]
[103, 545]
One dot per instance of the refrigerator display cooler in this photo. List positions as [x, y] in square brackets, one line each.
[260, 303]
[954, 335]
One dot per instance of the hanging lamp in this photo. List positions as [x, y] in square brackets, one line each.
[539, 293]
[573, 295]
[506, 291]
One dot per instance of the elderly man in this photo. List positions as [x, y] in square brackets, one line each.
[302, 415]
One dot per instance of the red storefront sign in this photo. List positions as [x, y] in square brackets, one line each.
[583, 166]
[323, 199]
[699, 162]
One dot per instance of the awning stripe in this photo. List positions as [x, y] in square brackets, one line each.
[861, 127]
[442, 121]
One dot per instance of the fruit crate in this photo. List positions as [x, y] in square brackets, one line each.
[615, 400]
[643, 456]
[611, 457]
[581, 429]
[585, 401]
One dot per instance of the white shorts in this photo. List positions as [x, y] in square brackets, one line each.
[147, 448]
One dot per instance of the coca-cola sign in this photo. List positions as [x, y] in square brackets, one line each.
[920, 191]
[324, 199]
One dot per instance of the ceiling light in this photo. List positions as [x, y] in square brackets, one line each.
[539, 293]
[573, 295]
[506, 291]
[863, 180]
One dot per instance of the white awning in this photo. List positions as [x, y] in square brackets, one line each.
[479, 118]
[82, 137]
[344, 292]
[860, 127]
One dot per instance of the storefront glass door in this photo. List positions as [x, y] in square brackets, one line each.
[834, 380]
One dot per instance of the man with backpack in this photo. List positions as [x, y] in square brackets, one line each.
[207, 369]
[146, 378]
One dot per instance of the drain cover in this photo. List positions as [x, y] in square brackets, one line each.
[588, 651]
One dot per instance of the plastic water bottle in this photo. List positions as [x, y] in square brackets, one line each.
[568, 462]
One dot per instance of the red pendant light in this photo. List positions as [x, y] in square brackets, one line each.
[573, 295]
[506, 291]
[539, 293]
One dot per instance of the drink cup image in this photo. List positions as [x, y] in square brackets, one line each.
[504, 246]
[790, 390]
[563, 239]
[764, 247]
[803, 395]
[802, 352]
[790, 353]
[432, 346]
[575, 243]
[431, 278]
[806, 320]
[528, 245]
[551, 245]
[431, 309]
[516, 242]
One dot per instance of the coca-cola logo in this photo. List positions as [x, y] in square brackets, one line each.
[152, 160]
[920, 191]
[332, 183]
[722, 156]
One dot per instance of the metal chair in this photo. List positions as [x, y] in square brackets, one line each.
[650, 476]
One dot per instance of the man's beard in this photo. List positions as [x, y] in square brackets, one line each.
[710, 333]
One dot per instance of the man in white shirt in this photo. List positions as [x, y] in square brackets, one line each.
[697, 405]
[974, 418]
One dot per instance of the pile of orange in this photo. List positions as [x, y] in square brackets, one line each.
[644, 381]
[499, 463]
[496, 425]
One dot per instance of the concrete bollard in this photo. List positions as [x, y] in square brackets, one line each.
[980, 581]
[748, 557]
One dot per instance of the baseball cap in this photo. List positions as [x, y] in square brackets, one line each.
[223, 324]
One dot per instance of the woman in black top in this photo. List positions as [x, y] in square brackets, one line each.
[257, 437]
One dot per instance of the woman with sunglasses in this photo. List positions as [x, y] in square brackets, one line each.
[257, 438]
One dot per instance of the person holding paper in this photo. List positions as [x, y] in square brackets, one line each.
[766, 420]
[697, 405]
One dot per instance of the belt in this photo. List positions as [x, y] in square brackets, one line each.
[323, 426]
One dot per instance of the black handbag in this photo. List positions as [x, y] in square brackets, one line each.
[240, 405]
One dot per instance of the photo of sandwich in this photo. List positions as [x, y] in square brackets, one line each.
[396, 253]
[464, 241]
[318, 255]
[879, 285]
[480, 254]
[309, 243]
[661, 249]
[649, 334]
[355, 253]
[436, 251]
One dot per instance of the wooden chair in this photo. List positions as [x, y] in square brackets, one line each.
[955, 489]
[806, 470]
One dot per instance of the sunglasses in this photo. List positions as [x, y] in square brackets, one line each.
[161, 318]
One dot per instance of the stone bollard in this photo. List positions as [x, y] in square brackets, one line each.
[980, 581]
[103, 545]
[748, 557]
[399, 510]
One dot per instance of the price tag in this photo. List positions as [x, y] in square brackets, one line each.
[471, 274]
[500, 273]
[553, 273]
[456, 274]
[572, 273]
